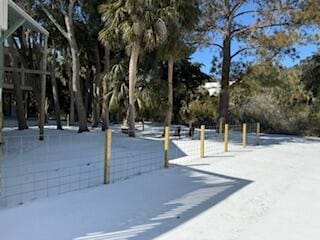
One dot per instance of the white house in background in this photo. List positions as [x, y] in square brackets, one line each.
[213, 88]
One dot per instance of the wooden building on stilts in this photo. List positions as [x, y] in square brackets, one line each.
[23, 66]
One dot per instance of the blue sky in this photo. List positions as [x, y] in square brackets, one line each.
[204, 56]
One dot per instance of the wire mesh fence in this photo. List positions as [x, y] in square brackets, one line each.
[32, 169]
[131, 157]
[187, 146]
[214, 140]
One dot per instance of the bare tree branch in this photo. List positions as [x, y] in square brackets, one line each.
[70, 8]
[262, 11]
[62, 3]
[244, 12]
[55, 22]
[217, 45]
[236, 7]
[240, 51]
[255, 27]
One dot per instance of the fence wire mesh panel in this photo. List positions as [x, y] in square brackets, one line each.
[213, 140]
[184, 145]
[235, 135]
[254, 134]
[132, 157]
[32, 169]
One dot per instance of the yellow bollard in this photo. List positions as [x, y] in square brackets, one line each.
[166, 147]
[107, 156]
[258, 133]
[226, 137]
[202, 137]
[244, 135]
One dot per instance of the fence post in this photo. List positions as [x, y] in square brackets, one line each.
[258, 133]
[166, 147]
[226, 137]
[244, 135]
[202, 137]
[107, 156]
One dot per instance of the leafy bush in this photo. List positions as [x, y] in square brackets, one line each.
[199, 112]
[274, 97]
[268, 110]
[315, 118]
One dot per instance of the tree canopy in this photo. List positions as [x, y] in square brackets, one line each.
[128, 60]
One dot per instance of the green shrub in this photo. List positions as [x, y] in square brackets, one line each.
[199, 112]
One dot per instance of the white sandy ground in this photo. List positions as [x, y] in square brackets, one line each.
[266, 192]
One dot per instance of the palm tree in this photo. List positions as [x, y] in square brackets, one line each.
[147, 99]
[139, 25]
[181, 20]
[117, 97]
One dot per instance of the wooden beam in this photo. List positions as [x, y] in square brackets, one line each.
[23, 88]
[29, 20]
[27, 71]
[12, 29]
[43, 90]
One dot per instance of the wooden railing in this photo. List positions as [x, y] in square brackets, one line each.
[26, 76]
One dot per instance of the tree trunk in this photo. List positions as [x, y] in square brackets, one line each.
[46, 110]
[82, 118]
[69, 72]
[225, 81]
[22, 121]
[55, 91]
[142, 122]
[69, 34]
[170, 91]
[17, 79]
[86, 91]
[95, 88]
[105, 90]
[132, 86]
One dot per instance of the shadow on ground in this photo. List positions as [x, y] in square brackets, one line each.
[179, 195]
[276, 139]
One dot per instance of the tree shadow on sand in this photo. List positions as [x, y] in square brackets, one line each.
[277, 139]
[181, 194]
